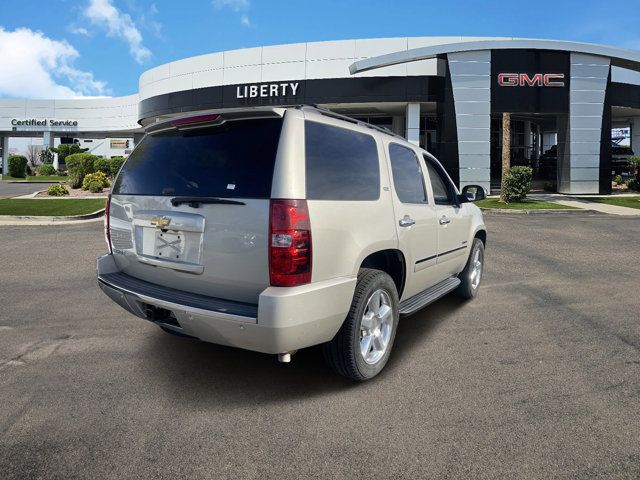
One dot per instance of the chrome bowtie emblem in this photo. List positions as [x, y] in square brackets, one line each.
[160, 222]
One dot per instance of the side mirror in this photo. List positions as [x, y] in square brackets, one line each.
[473, 193]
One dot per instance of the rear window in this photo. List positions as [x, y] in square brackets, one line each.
[233, 160]
[341, 164]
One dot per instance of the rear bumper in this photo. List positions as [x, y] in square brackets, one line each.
[284, 320]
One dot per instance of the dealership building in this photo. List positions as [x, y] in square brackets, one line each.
[446, 94]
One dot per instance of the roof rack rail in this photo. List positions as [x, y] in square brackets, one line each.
[329, 113]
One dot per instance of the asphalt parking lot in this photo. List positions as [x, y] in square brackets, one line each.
[15, 189]
[539, 377]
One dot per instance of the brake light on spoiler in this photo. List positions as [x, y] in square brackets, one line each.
[181, 122]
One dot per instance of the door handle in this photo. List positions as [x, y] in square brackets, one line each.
[406, 221]
[444, 220]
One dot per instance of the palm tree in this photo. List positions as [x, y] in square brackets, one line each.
[506, 150]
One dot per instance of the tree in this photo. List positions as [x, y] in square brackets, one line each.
[46, 155]
[33, 155]
[65, 150]
[506, 151]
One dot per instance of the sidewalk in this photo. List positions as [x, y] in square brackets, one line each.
[583, 203]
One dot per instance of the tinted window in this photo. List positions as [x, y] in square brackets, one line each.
[341, 164]
[440, 186]
[407, 175]
[235, 159]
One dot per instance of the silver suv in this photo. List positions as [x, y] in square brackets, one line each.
[277, 229]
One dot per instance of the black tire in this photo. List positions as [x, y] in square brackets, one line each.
[342, 353]
[466, 289]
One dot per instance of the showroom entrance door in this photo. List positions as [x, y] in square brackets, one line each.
[534, 143]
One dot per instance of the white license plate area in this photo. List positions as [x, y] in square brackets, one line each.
[169, 245]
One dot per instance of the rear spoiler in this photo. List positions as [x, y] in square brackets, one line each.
[211, 118]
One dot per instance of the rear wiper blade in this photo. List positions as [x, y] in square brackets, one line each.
[195, 202]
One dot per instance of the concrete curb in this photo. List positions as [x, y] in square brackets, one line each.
[537, 211]
[43, 220]
[48, 197]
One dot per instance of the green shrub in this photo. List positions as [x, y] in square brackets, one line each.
[102, 165]
[57, 190]
[634, 166]
[46, 155]
[79, 165]
[17, 166]
[550, 187]
[46, 169]
[115, 165]
[91, 180]
[65, 150]
[93, 185]
[29, 170]
[631, 183]
[517, 183]
[617, 180]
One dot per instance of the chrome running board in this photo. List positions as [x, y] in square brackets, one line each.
[431, 294]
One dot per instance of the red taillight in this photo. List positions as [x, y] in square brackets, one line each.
[107, 233]
[289, 243]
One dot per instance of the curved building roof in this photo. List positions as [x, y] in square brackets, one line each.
[619, 57]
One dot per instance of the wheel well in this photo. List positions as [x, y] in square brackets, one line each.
[482, 235]
[391, 262]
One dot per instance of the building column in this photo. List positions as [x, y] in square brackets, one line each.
[47, 142]
[137, 138]
[635, 135]
[471, 85]
[579, 170]
[413, 123]
[397, 125]
[4, 145]
[527, 139]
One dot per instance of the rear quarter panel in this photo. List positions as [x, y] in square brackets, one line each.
[344, 233]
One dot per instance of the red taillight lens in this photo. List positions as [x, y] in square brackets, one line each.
[289, 243]
[107, 233]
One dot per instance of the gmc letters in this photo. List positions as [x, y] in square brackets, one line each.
[537, 80]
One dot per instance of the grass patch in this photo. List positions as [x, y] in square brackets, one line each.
[631, 202]
[527, 204]
[50, 207]
[38, 178]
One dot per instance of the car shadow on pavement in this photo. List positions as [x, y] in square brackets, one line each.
[205, 375]
[416, 328]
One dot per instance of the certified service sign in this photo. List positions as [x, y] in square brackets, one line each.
[43, 123]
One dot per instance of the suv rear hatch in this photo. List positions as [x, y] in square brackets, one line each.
[190, 207]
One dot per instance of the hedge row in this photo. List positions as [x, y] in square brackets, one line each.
[80, 165]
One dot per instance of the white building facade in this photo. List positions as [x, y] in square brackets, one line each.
[445, 93]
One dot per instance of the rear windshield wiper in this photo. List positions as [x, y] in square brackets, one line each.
[195, 202]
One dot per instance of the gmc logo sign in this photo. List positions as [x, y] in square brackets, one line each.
[537, 80]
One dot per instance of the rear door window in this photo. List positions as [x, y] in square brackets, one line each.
[341, 164]
[407, 175]
[442, 189]
[232, 160]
